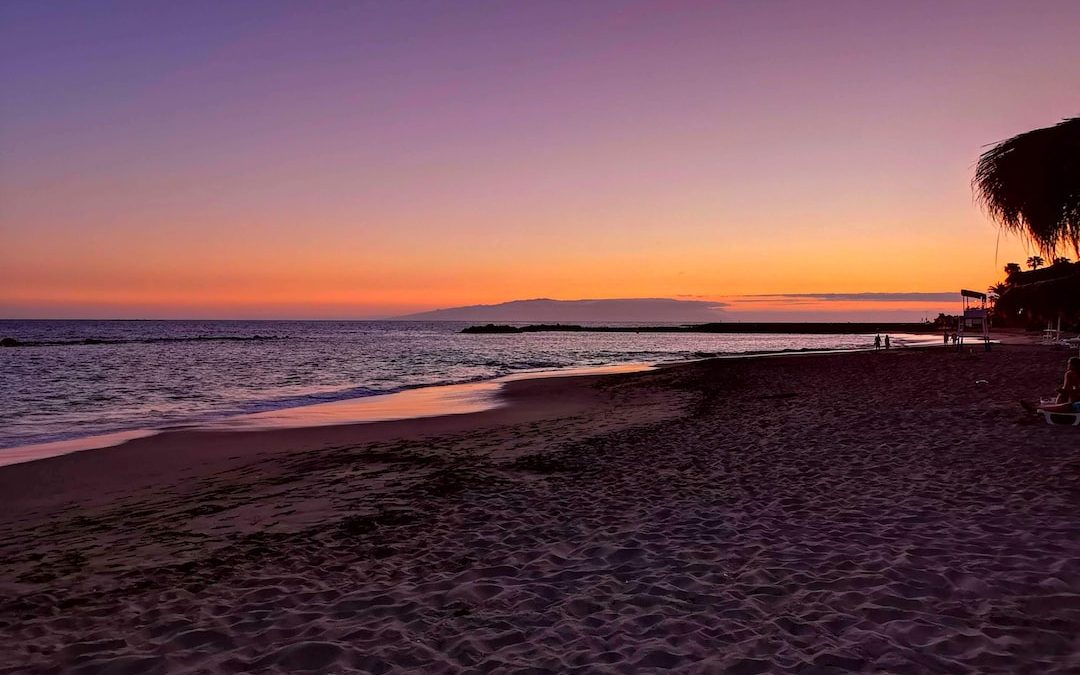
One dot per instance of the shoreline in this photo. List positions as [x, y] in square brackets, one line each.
[162, 454]
[861, 512]
[414, 402]
[505, 400]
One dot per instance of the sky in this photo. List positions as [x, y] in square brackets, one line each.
[368, 159]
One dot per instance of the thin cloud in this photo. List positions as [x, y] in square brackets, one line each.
[854, 297]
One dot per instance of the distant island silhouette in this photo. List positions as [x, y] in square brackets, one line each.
[546, 310]
[789, 308]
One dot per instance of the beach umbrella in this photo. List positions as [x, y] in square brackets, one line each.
[1030, 184]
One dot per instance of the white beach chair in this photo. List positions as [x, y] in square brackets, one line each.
[1068, 419]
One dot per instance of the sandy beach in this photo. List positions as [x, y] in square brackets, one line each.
[866, 512]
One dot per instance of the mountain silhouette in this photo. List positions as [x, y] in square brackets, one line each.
[548, 310]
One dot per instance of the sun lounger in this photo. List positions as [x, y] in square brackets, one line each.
[1071, 419]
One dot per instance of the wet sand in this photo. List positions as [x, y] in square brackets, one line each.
[408, 404]
[867, 512]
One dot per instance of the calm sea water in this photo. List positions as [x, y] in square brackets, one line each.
[157, 374]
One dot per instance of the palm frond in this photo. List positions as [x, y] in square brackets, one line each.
[1030, 184]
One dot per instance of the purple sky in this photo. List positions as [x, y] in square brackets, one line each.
[373, 158]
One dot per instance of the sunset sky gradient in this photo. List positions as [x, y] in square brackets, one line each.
[367, 159]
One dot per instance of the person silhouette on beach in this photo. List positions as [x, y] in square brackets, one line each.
[1068, 394]
[877, 343]
[887, 343]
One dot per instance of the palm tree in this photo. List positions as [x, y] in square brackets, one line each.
[1035, 262]
[1060, 260]
[1012, 268]
[1030, 184]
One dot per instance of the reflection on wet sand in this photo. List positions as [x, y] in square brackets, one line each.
[455, 399]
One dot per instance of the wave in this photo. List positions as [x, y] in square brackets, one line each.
[187, 421]
[194, 376]
[12, 342]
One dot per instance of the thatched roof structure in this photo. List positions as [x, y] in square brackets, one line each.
[1030, 184]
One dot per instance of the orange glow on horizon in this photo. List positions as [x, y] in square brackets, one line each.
[342, 283]
[376, 280]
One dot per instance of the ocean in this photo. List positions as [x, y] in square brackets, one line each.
[75, 379]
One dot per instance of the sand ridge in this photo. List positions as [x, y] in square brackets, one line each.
[840, 513]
